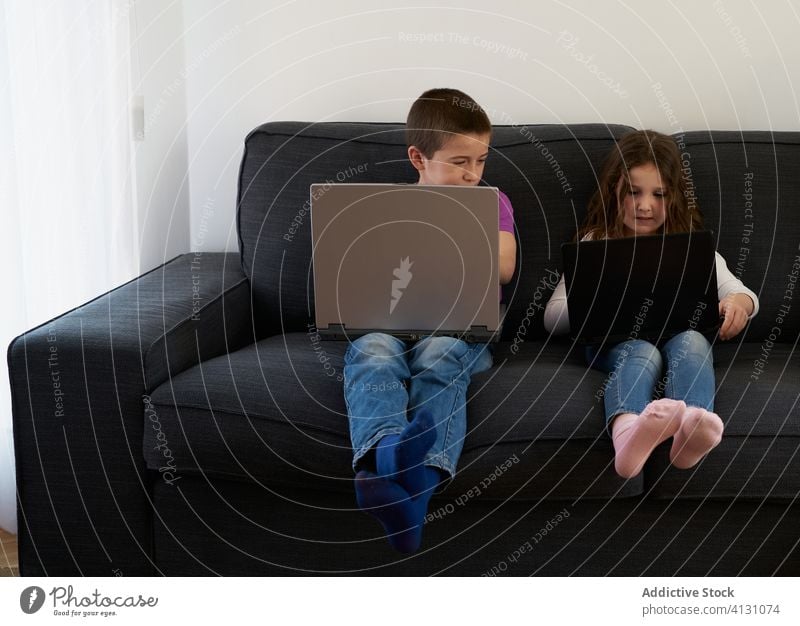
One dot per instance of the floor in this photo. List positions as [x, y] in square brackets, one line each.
[9, 565]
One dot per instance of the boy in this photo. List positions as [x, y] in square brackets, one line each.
[399, 463]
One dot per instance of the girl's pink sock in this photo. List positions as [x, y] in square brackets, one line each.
[636, 436]
[699, 432]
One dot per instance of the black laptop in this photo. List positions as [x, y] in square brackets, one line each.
[648, 287]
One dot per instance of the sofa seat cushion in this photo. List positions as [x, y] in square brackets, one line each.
[759, 456]
[540, 405]
[269, 412]
[274, 412]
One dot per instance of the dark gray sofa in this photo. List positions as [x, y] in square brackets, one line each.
[198, 427]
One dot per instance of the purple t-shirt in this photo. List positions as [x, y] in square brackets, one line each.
[506, 221]
[506, 213]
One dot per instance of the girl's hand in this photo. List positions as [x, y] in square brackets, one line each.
[736, 308]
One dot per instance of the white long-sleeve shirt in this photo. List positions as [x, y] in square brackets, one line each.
[556, 317]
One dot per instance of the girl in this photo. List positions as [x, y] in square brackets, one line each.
[642, 192]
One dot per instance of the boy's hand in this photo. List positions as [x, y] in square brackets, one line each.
[735, 308]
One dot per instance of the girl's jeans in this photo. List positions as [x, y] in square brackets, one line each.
[635, 369]
[384, 377]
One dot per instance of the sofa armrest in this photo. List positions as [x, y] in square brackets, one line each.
[77, 383]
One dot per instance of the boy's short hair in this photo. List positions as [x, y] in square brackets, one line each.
[438, 114]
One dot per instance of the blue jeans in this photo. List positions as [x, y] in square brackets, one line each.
[634, 369]
[385, 377]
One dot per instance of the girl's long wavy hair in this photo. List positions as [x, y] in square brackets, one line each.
[604, 215]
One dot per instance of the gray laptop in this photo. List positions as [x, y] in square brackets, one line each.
[407, 260]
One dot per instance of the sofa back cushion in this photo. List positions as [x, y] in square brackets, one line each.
[549, 172]
[747, 186]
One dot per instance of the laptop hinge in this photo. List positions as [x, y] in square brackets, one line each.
[334, 331]
[475, 333]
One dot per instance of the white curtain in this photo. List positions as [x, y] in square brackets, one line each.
[67, 184]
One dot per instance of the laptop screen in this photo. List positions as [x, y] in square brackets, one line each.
[409, 260]
[647, 287]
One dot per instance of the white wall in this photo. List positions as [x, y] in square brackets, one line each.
[158, 63]
[667, 65]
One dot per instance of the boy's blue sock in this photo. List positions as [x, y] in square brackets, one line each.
[398, 495]
[400, 515]
[401, 457]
